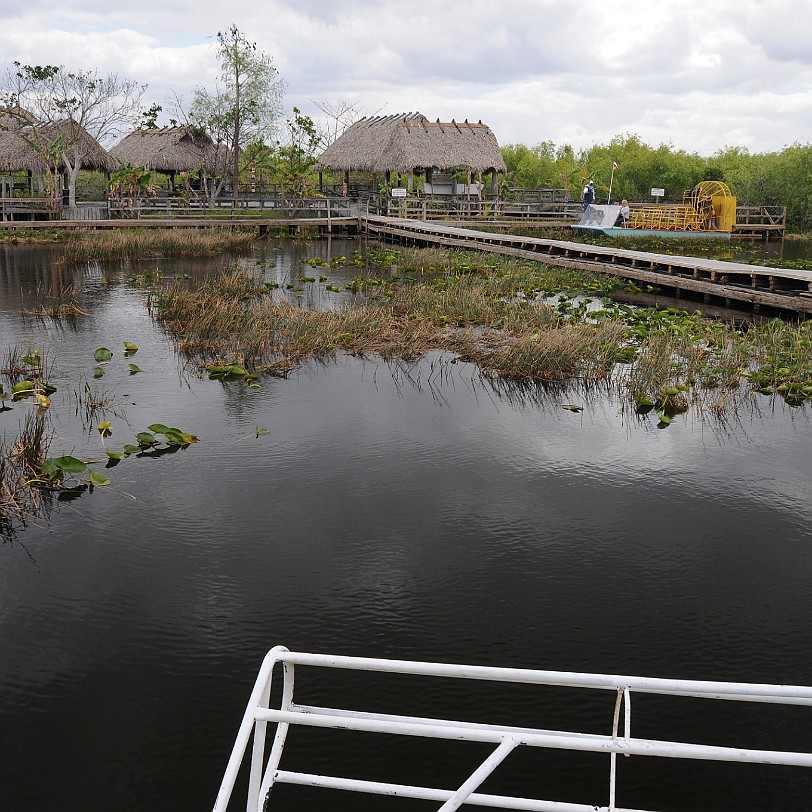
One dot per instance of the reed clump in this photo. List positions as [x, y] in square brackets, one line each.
[20, 463]
[146, 243]
[561, 353]
[56, 302]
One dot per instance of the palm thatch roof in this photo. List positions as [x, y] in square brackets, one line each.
[14, 118]
[22, 148]
[404, 142]
[167, 149]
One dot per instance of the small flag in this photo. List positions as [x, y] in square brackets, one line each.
[614, 165]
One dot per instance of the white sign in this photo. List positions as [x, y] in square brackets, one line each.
[658, 192]
[399, 191]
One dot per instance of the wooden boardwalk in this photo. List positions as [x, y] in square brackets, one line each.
[263, 224]
[756, 285]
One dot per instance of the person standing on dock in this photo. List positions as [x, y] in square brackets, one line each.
[588, 195]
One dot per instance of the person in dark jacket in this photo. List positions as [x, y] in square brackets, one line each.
[588, 195]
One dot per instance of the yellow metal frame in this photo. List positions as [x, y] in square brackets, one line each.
[709, 206]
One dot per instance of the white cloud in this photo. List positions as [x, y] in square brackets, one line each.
[694, 74]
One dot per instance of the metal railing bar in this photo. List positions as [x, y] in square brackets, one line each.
[352, 714]
[257, 715]
[260, 695]
[587, 743]
[572, 679]
[613, 757]
[275, 755]
[432, 794]
[479, 775]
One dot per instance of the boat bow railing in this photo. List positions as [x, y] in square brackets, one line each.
[265, 772]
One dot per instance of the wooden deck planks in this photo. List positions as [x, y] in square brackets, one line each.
[780, 288]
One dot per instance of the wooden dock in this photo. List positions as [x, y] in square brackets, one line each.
[725, 282]
[262, 224]
[754, 285]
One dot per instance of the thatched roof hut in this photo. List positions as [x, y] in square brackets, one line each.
[409, 142]
[18, 152]
[167, 149]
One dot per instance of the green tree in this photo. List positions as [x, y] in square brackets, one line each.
[298, 155]
[539, 167]
[260, 163]
[245, 104]
[129, 183]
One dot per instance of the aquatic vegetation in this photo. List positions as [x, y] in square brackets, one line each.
[783, 360]
[26, 374]
[514, 319]
[55, 303]
[145, 243]
[54, 470]
[19, 362]
[31, 235]
[27, 474]
[147, 441]
[20, 463]
[90, 403]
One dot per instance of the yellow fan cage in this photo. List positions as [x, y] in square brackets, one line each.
[709, 206]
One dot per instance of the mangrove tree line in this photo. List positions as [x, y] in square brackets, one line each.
[774, 178]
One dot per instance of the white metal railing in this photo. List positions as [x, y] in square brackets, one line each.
[264, 773]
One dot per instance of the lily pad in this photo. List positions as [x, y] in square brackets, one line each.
[97, 477]
[57, 467]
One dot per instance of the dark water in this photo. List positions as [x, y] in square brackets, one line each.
[394, 511]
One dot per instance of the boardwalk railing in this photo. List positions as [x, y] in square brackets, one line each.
[618, 739]
[439, 208]
[767, 222]
[28, 208]
[761, 215]
[230, 208]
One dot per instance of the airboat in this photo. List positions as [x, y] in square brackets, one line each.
[707, 210]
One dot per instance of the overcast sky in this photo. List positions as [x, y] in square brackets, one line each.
[699, 75]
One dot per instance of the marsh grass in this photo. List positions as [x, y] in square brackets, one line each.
[12, 366]
[90, 404]
[56, 302]
[146, 243]
[496, 313]
[20, 464]
[22, 361]
[453, 306]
